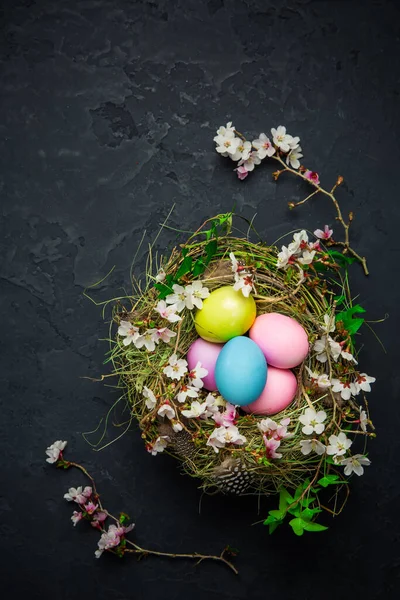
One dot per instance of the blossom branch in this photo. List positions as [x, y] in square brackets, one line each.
[114, 538]
[346, 226]
[231, 143]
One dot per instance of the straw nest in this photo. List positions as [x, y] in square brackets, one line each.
[240, 469]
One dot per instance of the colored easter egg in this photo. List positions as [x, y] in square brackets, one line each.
[282, 339]
[241, 371]
[225, 315]
[206, 353]
[278, 393]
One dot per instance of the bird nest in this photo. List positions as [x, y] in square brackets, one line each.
[313, 433]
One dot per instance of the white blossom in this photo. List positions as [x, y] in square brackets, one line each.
[326, 234]
[329, 324]
[197, 374]
[283, 258]
[324, 344]
[176, 368]
[166, 410]
[250, 162]
[345, 388]
[321, 381]
[292, 158]
[128, 332]
[242, 151]
[244, 283]
[195, 294]
[313, 421]
[149, 339]
[227, 144]
[75, 495]
[338, 444]
[178, 298]
[354, 464]
[150, 399]
[363, 381]
[228, 129]
[159, 445]
[161, 275]
[281, 139]
[196, 410]
[168, 311]
[225, 435]
[176, 426]
[307, 257]
[187, 391]
[53, 452]
[363, 419]
[263, 146]
[308, 446]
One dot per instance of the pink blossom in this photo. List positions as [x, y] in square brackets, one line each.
[99, 518]
[312, 176]
[227, 417]
[76, 517]
[325, 234]
[165, 334]
[242, 172]
[271, 446]
[91, 508]
[87, 492]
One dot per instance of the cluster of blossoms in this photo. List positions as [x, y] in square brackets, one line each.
[250, 154]
[244, 280]
[273, 434]
[326, 348]
[148, 339]
[189, 297]
[314, 425]
[227, 432]
[301, 251]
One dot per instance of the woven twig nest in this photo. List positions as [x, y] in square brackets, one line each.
[316, 295]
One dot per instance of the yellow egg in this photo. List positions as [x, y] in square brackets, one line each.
[225, 314]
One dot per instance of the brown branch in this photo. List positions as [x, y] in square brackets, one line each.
[339, 217]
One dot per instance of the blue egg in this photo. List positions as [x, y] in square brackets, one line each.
[241, 371]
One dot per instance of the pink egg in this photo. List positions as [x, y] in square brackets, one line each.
[282, 339]
[278, 393]
[206, 353]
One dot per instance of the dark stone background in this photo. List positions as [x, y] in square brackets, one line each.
[108, 112]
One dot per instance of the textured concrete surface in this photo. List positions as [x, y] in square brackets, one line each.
[108, 110]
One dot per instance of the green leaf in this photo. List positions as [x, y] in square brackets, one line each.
[284, 499]
[199, 267]
[307, 501]
[163, 289]
[211, 249]
[341, 259]
[277, 514]
[185, 267]
[328, 480]
[314, 527]
[350, 323]
[297, 526]
[295, 510]
[273, 526]
[308, 513]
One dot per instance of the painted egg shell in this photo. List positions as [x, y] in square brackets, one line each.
[279, 391]
[241, 371]
[225, 315]
[206, 353]
[282, 339]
